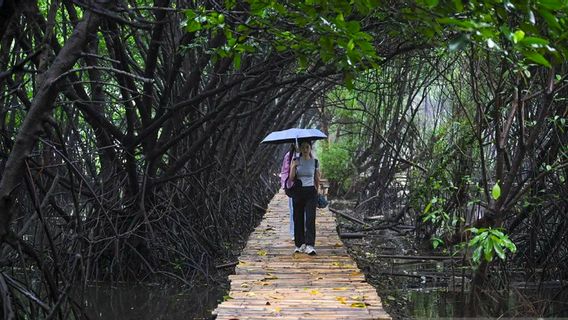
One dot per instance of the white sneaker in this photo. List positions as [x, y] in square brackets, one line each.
[303, 248]
[310, 250]
[298, 249]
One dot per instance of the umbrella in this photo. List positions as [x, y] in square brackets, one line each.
[293, 135]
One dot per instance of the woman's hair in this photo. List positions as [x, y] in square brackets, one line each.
[310, 143]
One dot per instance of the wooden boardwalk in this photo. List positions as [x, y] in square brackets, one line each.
[273, 283]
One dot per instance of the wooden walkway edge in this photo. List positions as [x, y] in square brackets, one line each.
[273, 283]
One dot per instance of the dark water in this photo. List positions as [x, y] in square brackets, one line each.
[437, 293]
[436, 289]
[150, 302]
[440, 303]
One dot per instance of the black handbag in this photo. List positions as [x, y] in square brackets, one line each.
[291, 192]
[322, 201]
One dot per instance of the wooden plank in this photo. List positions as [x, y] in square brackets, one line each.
[272, 282]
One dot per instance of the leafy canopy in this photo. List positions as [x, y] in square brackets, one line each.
[349, 35]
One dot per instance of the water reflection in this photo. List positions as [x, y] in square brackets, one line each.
[150, 303]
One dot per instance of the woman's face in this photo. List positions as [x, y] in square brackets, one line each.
[305, 147]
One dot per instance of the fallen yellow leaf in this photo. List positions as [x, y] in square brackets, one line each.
[262, 252]
[277, 309]
[340, 289]
[341, 299]
[314, 292]
[358, 305]
[264, 283]
[270, 276]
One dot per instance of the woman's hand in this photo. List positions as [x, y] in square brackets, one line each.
[293, 166]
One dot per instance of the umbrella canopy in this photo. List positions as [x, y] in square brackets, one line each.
[293, 135]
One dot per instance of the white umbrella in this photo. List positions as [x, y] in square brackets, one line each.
[293, 135]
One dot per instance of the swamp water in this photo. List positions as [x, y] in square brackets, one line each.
[137, 302]
[431, 289]
[424, 289]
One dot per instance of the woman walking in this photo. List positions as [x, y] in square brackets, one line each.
[285, 182]
[305, 168]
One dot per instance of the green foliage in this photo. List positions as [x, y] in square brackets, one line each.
[334, 32]
[489, 242]
[336, 160]
[496, 191]
[532, 30]
[330, 31]
[448, 179]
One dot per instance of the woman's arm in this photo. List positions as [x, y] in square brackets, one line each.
[317, 179]
[293, 169]
[285, 169]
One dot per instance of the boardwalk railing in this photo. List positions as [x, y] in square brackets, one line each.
[273, 283]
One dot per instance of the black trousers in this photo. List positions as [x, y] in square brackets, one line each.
[305, 200]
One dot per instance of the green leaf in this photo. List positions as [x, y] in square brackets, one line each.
[466, 25]
[350, 45]
[353, 26]
[534, 41]
[476, 254]
[509, 245]
[498, 233]
[237, 61]
[551, 19]
[552, 4]
[488, 250]
[496, 191]
[436, 242]
[459, 5]
[536, 57]
[497, 248]
[193, 26]
[431, 3]
[518, 36]
[427, 208]
[474, 241]
[190, 14]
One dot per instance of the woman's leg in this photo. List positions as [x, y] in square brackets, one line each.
[291, 208]
[310, 207]
[299, 206]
